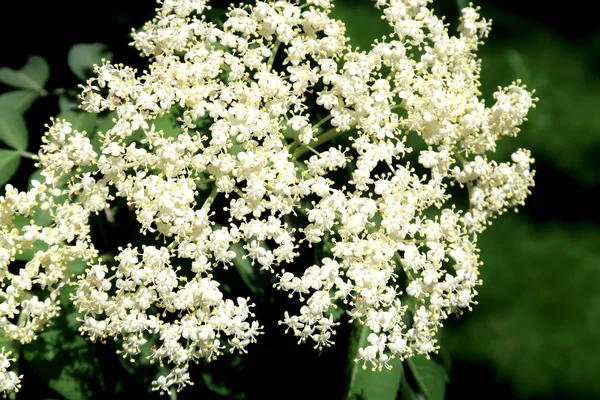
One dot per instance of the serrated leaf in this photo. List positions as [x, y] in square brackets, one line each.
[9, 164]
[430, 376]
[83, 56]
[33, 75]
[80, 120]
[366, 384]
[13, 130]
[18, 100]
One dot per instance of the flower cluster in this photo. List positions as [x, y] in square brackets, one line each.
[254, 98]
[9, 381]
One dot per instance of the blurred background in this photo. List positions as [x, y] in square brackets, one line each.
[536, 331]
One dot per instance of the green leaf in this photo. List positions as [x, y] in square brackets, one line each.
[13, 130]
[41, 217]
[63, 359]
[80, 120]
[168, 124]
[462, 4]
[365, 383]
[430, 376]
[289, 133]
[563, 75]
[27, 254]
[363, 22]
[537, 323]
[33, 75]
[12, 346]
[66, 103]
[82, 57]
[245, 269]
[217, 388]
[9, 164]
[37, 176]
[18, 100]
[104, 124]
[443, 357]
[406, 392]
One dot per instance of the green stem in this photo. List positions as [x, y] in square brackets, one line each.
[202, 182]
[324, 138]
[211, 197]
[273, 54]
[310, 148]
[321, 122]
[239, 192]
[407, 272]
[27, 154]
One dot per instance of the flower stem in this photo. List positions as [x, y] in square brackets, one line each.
[273, 54]
[324, 138]
[211, 197]
[27, 154]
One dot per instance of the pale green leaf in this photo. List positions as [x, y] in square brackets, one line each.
[430, 376]
[66, 103]
[168, 124]
[364, 383]
[80, 120]
[37, 176]
[13, 130]
[82, 57]
[10, 345]
[27, 253]
[9, 164]
[104, 124]
[33, 75]
[18, 100]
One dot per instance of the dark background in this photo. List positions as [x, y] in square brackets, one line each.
[535, 333]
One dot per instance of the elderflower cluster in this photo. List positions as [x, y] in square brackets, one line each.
[9, 380]
[272, 108]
